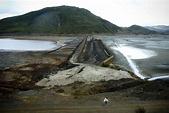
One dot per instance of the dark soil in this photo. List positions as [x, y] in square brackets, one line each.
[21, 70]
[93, 52]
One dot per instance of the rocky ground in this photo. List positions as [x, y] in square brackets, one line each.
[68, 80]
[21, 70]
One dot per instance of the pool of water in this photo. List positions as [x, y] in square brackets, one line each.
[27, 45]
[146, 55]
[134, 53]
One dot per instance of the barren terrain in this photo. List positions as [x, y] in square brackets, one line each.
[70, 80]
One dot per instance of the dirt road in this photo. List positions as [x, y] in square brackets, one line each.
[149, 107]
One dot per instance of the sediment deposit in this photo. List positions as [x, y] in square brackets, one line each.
[72, 76]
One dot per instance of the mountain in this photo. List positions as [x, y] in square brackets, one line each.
[135, 29]
[57, 20]
[160, 28]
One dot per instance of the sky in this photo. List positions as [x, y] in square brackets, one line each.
[123, 13]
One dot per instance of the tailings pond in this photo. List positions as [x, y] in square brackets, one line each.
[146, 55]
[27, 45]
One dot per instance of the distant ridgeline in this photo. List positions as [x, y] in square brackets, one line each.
[135, 29]
[57, 20]
[64, 20]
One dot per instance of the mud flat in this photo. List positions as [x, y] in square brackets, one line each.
[90, 51]
[21, 69]
[77, 83]
[146, 55]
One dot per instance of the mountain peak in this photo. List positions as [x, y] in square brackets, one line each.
[136, 29]
[57, 20]
[163, 29]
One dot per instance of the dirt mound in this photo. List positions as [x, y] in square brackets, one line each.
[103, 86]
[24, 77]
[153, 90]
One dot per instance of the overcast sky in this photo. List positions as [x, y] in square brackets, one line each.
[120, 12]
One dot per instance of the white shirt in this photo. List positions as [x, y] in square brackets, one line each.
[105, 100]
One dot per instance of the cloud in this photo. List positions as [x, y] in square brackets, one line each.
[141, 12]
[119, 12]
[6, 15]
[8, 6]
[154, 11]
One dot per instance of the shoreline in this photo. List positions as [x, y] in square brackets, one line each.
[86, 73]
[81, 88]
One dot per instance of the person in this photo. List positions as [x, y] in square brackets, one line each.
[105, 101]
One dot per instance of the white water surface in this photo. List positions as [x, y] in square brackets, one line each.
[147, 55]
[27, 45]
[128, 53]
[159, 77]
[135, 53]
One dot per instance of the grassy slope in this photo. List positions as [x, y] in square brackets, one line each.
[61, 20]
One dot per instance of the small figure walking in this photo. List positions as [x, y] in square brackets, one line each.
[105, 101]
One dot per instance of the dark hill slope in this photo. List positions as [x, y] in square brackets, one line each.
[135, 29]
[57, 20]
[162, 29]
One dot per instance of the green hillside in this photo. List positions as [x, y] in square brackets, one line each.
[135, 29]
[57, 20]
